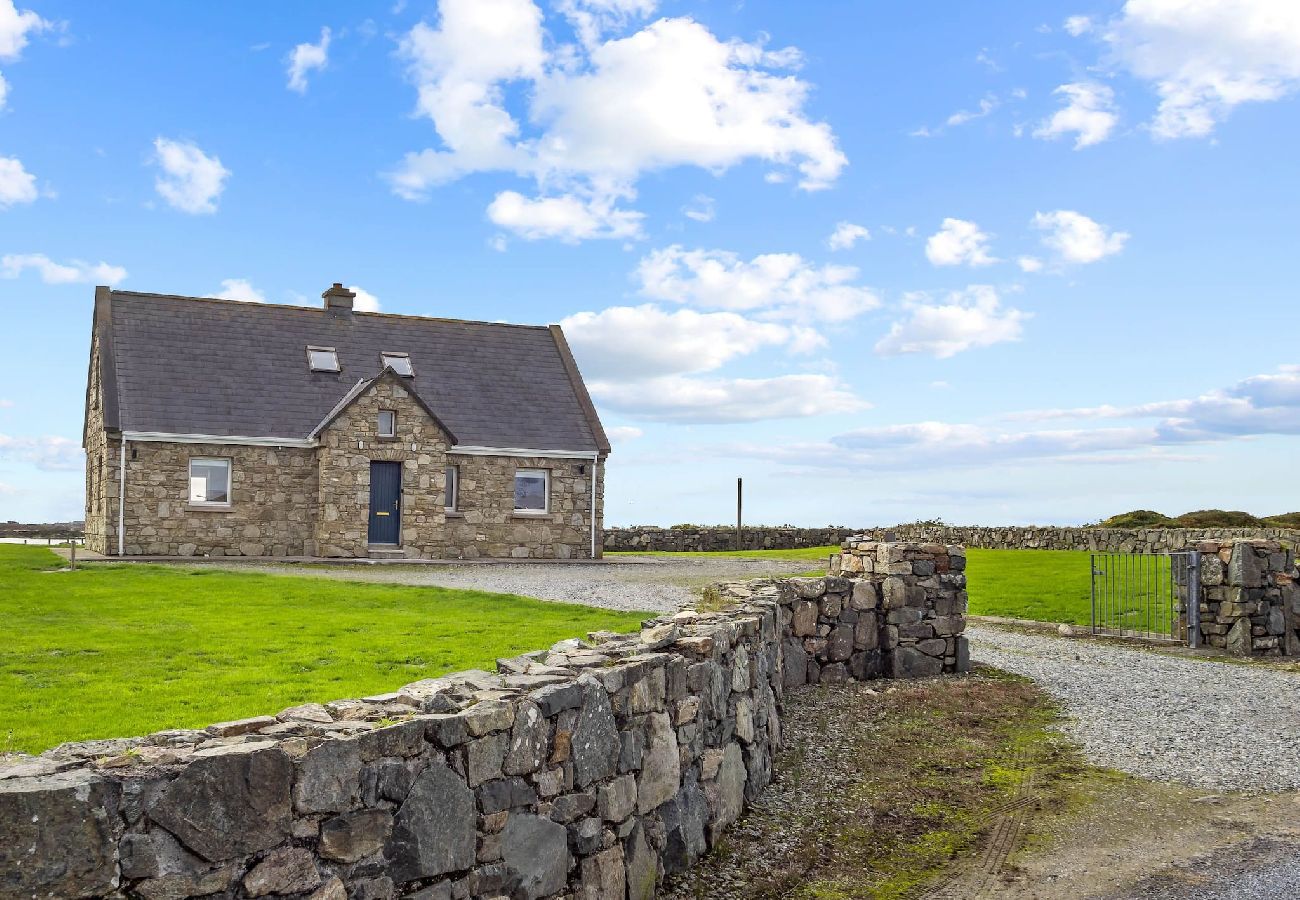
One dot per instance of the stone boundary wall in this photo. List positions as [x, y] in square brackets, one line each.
[587, 771]
[1111, 540]
[1250, 598]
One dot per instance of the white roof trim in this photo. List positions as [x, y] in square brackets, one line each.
[519, 451]
[235, 439]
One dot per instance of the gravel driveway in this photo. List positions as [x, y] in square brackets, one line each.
[650, 583]
[1208, 724]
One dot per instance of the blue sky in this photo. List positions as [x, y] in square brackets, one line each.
[1003, 262]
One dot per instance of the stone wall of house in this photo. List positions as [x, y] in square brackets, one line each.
[101, 478]
[485, 522]
[1250, 598]
[587, 771]
[272, 510]
[1112, 540]
[346, 450]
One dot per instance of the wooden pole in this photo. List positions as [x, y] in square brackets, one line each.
[73, 555]
[740, 500]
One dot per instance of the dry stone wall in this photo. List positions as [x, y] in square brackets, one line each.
[1250, 599]
[1111, 540]
[587, 771]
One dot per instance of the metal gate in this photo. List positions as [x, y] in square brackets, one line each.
[1147, 595]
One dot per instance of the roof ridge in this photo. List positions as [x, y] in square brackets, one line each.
[318, 309]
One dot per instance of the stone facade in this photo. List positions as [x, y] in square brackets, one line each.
[315, 501]
[348, 446]
[485, 522]
[1097, 540]
[587, 771]
[1250, 598]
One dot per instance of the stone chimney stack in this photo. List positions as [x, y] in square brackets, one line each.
[338, 299]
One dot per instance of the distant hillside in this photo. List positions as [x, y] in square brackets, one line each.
[1201, 518]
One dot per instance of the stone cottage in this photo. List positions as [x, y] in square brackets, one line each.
[219, 428]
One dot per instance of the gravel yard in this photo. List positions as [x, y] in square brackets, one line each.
[1214, 725]
[651, 583]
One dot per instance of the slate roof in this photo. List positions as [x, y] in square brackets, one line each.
[186, 365]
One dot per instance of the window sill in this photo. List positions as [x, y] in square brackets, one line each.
[210, 507]
[530, 514]
[454, 514]
[387, 438]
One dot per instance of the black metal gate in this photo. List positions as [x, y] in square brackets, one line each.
[1156, 596]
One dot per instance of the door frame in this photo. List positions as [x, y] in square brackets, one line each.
[370, 505]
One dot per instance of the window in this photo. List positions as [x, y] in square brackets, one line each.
[387, 423]
[532, 490]
[398, 362]
[453, 488]
[210, 481]
[322, 359]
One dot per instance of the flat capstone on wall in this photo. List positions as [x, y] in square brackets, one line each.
[590, 770]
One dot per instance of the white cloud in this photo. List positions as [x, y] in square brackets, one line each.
[49, 452]
[239, 289]
[567, 217]
[966, 319]
[1075, 238]
[598, 117]
[1089, 114]
[1205, 57]
[633, 343]
[846, 234]
[986, 106]
[4, 91]
[17, 185]
[593, 18]
[1029, 264]
[1077, 25]
[958, 242]
[1258, 405]
[618, 434]
[72, 272]
[701, 208]
[305, 58]
[6, 403]
[191, 181]
[365, 301]
[706, 400]
[775, 285]
[15, 26]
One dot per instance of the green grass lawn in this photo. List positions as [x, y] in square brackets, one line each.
[121, 650]
[1044, 585]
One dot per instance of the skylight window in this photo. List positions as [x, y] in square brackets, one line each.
[398, 362]
[322, 359]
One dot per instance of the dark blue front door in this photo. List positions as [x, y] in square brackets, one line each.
[385, 502]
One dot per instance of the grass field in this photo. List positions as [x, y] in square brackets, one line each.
[114, 651]
[1044, 585]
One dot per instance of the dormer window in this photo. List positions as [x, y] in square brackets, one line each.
[398, 362]
[322, 359]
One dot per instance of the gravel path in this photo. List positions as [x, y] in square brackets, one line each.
[1264, 869]
[650, 583]
[1208, 724]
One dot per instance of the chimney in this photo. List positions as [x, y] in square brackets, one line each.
[338, 299]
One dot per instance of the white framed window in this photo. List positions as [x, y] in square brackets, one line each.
[398, 362]
[532, 490]
[322, 359]
[453, 488]
[210, 481]
[387, 423]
